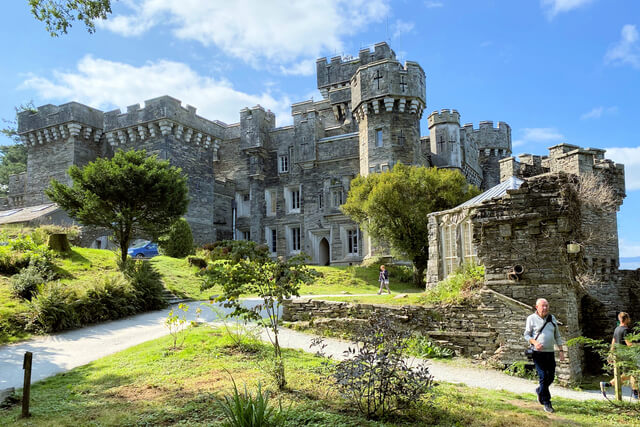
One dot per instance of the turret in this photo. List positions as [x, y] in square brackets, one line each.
[57, 137]
[444, 136]
[387, 101]
[493, 144]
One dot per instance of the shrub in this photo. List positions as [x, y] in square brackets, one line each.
[458, 287]
[422, 346]
[19, 251]
[25, 283]
[245, 409]
[112, 299]
[147, 285]
[197, 262]
[375, 376]
[178, 243]
[50, 311]
[521, 369]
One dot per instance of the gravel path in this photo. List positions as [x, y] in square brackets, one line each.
[62, 352]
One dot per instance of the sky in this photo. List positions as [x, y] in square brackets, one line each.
[554, 70]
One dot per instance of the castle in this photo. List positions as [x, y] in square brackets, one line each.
[276, 185]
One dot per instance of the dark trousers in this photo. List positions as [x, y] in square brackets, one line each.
[545, 363]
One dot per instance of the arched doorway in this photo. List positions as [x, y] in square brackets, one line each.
[323, 252]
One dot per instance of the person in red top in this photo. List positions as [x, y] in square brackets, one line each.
[619, 337]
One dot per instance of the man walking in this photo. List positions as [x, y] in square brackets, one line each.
[541, 331]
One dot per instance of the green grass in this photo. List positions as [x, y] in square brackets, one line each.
[352, 280]
[150, 385]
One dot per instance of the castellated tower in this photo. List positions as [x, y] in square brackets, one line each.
[493, 145]
[256, 123]
[56, 138]
[387, 101]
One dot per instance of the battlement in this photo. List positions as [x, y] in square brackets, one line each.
[444, 116]
[161, 116]
[339, 71]
[566, 158]
[258, 113]
[57, 123]
[55, 115]
[489, 139]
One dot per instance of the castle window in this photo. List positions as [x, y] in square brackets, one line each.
[320, 201]
[470, 254]
[243, 203]
[271, 201]
[283, 164]
[292, 199]
[246, 235]
[272, 239]
[384, 168]
[294, 239]
[336, 196]
[449, 256]
[352, 242]
[378, 137]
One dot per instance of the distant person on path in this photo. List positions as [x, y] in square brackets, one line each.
[383, 278]
[541, 331]
[619, 338]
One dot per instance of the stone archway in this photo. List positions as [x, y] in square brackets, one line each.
[323, 252]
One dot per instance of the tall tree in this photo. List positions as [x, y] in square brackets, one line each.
[13, 158]
[126, 194]
[59, 14]
[393, 206]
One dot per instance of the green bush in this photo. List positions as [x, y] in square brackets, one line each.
[16, 253]
[521, 369]
[422, 346]
[25, 283]
[50, 310]
[178, 243]
[147, 285]
[458, 287]
[112, 299]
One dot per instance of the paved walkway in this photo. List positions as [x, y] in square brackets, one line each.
[61, 352]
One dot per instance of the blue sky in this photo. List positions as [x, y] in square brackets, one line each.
[555, 70]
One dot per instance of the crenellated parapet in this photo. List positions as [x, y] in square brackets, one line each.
[337, 74]
[443, 116]
[161, 117]
[494, 141]
[67, 122]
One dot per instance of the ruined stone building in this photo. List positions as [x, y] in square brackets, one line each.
[276, 185]
[548, 230]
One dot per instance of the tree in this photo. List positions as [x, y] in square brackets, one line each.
[59, 14]
[128, 194]
[241, 268]
[13, 158]
[178, 242]
[393, 206]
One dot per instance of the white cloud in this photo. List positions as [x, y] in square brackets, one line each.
[278, 31]
[627, 50]
[537, 135]
[433, 4]
[597, 112]
[554, 7]
[630, 158]
[401, 27]
[107, 84]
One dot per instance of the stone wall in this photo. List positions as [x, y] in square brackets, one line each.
[490, 327]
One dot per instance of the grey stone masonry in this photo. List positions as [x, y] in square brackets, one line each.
[282, 186]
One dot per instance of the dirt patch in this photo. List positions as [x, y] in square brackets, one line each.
[132, 393]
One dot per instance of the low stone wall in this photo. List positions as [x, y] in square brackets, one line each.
[490, 328]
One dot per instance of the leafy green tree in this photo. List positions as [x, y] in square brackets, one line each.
[127, 194]
[244, 268]
[178, 242]
[393, 206]
[13, 158]
[59, 14]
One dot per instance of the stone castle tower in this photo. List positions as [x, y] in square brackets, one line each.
[282, 186]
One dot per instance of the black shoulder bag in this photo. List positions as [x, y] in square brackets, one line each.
[529, 351]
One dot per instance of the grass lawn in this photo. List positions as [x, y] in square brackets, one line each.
[151, 385]
[353, 280]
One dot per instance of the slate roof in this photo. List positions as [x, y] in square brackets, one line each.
[26, 214]
[496, 192]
